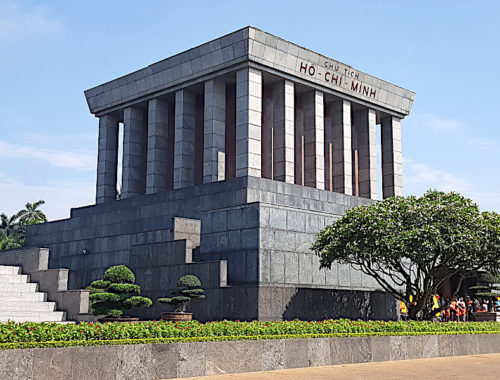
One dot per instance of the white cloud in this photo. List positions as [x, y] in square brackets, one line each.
[17, 24]
[420, 177]
[59, 197]
[59, 158]
[6, 179]
[486, 145]
[440, 124]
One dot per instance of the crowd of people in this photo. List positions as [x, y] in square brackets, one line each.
[458, 309]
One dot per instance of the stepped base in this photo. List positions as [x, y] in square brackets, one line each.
[31, 292]
[20, 300]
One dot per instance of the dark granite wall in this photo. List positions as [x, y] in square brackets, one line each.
[257, 231]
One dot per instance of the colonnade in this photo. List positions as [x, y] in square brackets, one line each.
[249, 128]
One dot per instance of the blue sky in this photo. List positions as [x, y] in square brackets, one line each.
[51, 51]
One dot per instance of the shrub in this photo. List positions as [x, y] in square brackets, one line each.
[228, 330]
[119, 274]
[189, 289]
[116, 293]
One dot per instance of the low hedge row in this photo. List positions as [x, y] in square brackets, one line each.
[118, 342]
[48, 332]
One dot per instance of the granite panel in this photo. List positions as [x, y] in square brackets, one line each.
[53, 364]
[273, 354]
[234, 357]
[318, 352]
[295, 353]
[17, 364]
[192, 359]
[399, 347]
[340, 351]
[379, 348]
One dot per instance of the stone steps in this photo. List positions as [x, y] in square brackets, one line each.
[32, 316]
[6, 297]
[27, 306]
[26, 287]
[20, 300]
[4, 269]
[13, 278]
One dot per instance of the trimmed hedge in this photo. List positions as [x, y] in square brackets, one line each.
[27, 334]
[119, 342]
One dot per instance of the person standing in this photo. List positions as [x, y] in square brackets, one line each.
[461, 309]
[470, 306]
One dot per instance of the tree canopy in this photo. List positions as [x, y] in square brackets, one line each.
[13, 228]
[116, 293]
[412, 245]
[32, 214]
[189, 288]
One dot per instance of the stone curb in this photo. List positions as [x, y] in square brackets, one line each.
[173, 360]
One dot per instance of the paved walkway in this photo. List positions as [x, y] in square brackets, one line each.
[458, 367]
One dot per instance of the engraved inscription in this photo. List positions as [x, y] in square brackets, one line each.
[335, 74]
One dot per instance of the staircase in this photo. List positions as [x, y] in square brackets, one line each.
[20, 300]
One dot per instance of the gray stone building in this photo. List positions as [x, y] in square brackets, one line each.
[235, 154]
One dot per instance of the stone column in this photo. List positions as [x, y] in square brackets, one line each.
[184, 165]
[107, 159]
[365, 124]
[342, 156]
[157, 156]
[248, 122]
[267, 142]
[214, 131]
[392, 164]
[314, 140]
[284, 125]
[230, 130]
[134, 153]
[299, 141]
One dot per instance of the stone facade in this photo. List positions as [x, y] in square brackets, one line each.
[262, 143]
[180, 360]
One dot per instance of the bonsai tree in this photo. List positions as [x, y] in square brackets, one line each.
[116, 293]
[189, 289]
[488, 287]
[413, 245]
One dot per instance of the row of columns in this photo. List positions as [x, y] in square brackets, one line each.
[278, 135]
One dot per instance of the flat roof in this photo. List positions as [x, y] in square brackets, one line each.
[252, 47]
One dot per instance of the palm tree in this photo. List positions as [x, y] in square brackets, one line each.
[9, 242]
[13, 229]
[31, 214]
[11, 232]
[9, 226]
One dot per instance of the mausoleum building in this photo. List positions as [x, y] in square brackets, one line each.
[235, 154]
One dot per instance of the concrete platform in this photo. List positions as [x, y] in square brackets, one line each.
[463, 367]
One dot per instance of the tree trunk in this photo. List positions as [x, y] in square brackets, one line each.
[412, 312]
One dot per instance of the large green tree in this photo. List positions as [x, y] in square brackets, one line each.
[412, 245]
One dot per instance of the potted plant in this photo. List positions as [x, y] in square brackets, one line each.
[115, 294]
[189, 289]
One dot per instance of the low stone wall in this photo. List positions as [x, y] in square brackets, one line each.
[154, 361]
